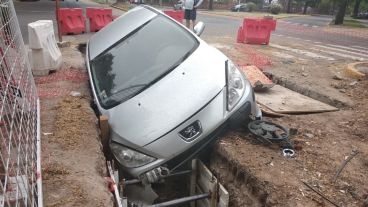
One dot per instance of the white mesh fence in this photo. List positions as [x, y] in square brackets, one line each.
[20, 177]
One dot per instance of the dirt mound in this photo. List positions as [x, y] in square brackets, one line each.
[260, 176]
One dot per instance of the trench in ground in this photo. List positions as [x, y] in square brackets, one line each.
[232, 175]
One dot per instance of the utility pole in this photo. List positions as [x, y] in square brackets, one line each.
[57, 20]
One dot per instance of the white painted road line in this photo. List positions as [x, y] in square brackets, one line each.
[339, 54]
[302, 52]
[306, 25]
[317, 42]
[344, 51]
[359, 47]
[315, 26]
[283, 55]
[350, 48]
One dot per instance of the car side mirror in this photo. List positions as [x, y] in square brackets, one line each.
[199, 28]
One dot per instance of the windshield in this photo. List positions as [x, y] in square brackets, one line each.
[139, 60]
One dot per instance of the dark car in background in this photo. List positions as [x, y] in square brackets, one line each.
[240, 8]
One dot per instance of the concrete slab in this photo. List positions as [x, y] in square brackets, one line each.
[285, 101]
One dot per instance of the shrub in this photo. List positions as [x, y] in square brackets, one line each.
[251, 6]
[275, 8]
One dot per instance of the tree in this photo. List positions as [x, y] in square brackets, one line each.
[339, 18]
[305, 7]
[356, 8]
[210, 5]
[288, 7]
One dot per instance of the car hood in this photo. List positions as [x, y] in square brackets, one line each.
[170, 101]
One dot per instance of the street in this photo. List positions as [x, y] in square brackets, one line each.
[31, 11]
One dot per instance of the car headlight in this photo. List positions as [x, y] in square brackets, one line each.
[128, 157]
[234, 83]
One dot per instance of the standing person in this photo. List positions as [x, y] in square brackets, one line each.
[191, 11]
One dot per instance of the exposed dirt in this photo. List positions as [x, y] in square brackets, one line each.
[73, 165]
[258, 175]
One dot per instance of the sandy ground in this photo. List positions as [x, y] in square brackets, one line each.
[260, 176]
[73, 166]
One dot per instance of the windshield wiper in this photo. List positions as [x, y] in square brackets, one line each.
[128, 92]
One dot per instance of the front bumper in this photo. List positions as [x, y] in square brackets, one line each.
[172, 151]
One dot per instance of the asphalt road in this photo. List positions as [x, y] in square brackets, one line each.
[28, 12]
[320, 21]
[311, 28]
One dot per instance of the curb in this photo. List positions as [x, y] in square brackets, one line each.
[308, 92]
[352, 72]
[118, 7]
[206, 12]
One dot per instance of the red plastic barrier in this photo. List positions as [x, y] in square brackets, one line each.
[258, 31]
[271, 23]
[177, 15]
[98, 18]
[71, 21]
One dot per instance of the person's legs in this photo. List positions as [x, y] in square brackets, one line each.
[193, 17]
[187, 14]
[187, 23]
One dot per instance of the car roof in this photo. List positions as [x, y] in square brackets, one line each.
[118, 29]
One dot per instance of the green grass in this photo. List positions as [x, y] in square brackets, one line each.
[350, 23]
[100, 1]
[353, 23]
[249, 14]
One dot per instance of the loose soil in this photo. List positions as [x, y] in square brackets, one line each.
[73, 166]
[259, 175]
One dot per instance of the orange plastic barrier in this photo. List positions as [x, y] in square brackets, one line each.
[177, 15]
[98, 18]
[71, 21]
[256, 31]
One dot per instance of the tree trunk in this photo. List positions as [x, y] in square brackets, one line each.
[339, 19]
[305, 7]
[332, 9]
[269, 1]
[356, 8]
[210, 5]
[288, 10]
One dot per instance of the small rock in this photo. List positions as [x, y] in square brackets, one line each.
[353, 83]
[365, 203]
[293, 131]
[309, 135]
[64, 44]
[287, 61]
[318, 174]
[342, 191]
[75, 93]
[305, 74]
[337, 76]
[342, 91]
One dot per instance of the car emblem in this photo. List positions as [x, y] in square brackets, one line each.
[191, 132]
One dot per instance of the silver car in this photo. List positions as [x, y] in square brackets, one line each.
[166, 92]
